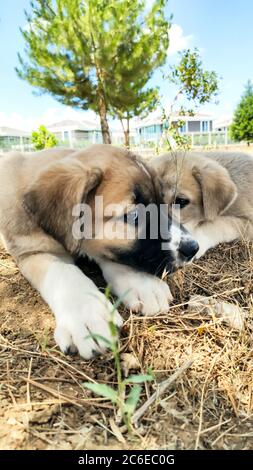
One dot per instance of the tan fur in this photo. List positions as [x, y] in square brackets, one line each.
[219, 187]
[41, 197]
[47, 202]
[38, 191]
[35, 266]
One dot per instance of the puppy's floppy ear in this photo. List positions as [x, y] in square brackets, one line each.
[218, 190]
[51, 198]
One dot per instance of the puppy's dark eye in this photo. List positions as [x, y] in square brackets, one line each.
[182, 202]
[131, 217]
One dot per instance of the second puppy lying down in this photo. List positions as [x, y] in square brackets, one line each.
[214, 191]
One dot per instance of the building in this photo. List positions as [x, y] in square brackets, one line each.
[69, 133]
[150, 129]
[198, 123]
[79, 134]
[200, 129]
[14, 139]
[222, 125]
[76, 133]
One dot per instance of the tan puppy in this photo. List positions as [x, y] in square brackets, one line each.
[214, 191]
[49, 216]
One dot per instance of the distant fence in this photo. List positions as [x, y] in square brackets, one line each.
[17, 148]
[214, 139]
[195, 139]
[209, 139]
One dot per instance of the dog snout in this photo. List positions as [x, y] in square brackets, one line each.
[188, 248]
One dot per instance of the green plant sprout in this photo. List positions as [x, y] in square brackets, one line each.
[126, 403]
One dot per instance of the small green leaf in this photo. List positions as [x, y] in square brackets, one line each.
[138, 379]
[113, 329]
[132, 400]
[100, 338]
[120, 300]
[102, 390]
[108, 292]
[150, 372]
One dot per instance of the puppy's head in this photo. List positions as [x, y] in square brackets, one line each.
[201, 187]
[105, 203]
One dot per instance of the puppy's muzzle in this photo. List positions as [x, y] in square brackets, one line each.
[188, 248]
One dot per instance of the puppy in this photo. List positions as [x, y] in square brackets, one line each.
[49, 217]
[214, 192]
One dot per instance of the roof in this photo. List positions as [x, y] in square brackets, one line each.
[71, 125]
[10, 132]
[196, 117]
[223, 123]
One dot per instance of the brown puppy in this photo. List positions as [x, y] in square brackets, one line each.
[56, 205]
[214, 191]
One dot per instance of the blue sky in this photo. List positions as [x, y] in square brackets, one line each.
[221, 29]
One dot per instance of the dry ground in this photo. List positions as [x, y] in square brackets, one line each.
[210, 406]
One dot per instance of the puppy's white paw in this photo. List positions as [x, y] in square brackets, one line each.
[199, 254]
[147, 295]
[81, 310]
[203, 248]
[204, 242]
[76, 325]
[139, 291]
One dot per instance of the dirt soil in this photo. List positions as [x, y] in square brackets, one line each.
[210, 406]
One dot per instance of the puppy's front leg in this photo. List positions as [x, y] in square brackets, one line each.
[80, 309]
[140, 292]
[224, 229]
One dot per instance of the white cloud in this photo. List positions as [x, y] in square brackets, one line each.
[15, 120]
[50, 116]
[178, 41]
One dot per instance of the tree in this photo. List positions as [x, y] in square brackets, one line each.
[89, 53]
[147, 47]
[242, 126]
[196, 86]
[43, 139]
[132, 104]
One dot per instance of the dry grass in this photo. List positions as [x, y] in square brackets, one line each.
[210, 406]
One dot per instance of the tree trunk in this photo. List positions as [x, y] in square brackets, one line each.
[126, 135]
[102, 108]
[126, 132]
[105, 128]
[103, 120]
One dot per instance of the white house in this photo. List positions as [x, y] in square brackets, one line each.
[150, 128]
[76, 133]
[11, 138]
[222, 125]
[82, 133]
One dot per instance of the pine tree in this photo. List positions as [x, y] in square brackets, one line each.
[90, 53]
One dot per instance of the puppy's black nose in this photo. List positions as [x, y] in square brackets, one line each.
[188, 249]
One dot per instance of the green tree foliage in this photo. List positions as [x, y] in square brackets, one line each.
[43, 139]
[95, 54]
[198, 85]
[145, 50]
[242, 126]
[131, 103]
[195, 87]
